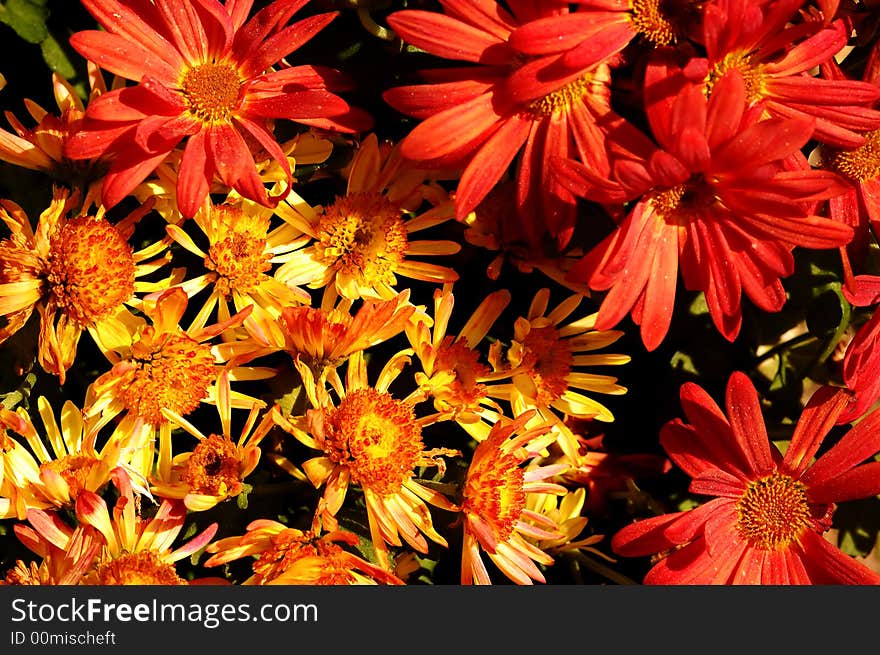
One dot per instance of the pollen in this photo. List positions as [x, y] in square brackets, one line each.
[773, 512]
[860, 164]
[211, 91]
[172, 371]
[494, 491]
[680, 204]
[752, 75]
[662, 22]
[464, 391]
[288, 548]
[213, 468]
[377, 437]
[140, 568]
[90, 269]
[547, 360]
[75, 470]
[563, 98]
[362, 235]
[239, 252]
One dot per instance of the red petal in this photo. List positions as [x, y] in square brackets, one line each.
[827, 564]
[860, 482]
[814, 424]
[123, 56]
[284, 42]
[747, 422]
[449, 38]
[857, 445]
[234, 163]
[185, 28]
[297, 105]
[194, 180]
[450, 130]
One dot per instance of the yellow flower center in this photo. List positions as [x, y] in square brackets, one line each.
[90, 269]
[546, 359]
[376, 436]
[75, 470]
[563, 98]
[464, 391]
[753, 75]
[362, 235]
[773, 512]
[682, 203]
[860, 164]
[211, 91]
[662, 21]
[213, 468]
[141, 568]
[328, 565]
[239, 252]
[173, 371]
[494, 492]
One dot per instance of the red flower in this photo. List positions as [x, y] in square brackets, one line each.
[206, 75]
[861, 369]
[521, 96]
[765, 524]
[718, 199]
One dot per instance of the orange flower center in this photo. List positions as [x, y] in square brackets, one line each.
[376, 436]
[563, 98]
[362, 236]
[683, 202]
[141, 568]
[211, 91]
[860, 164]
[546, 359]
[464, 390]
[661, 21]
[75, 470]
[213, 468]
[494, 492]
[173, 371]
[773, 512]
[90, 269]
[752, 75]
[239, 253]
[328, 565]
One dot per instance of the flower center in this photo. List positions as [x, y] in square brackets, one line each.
[752, 75]
[773, 512]
[239, 252]
[363, 236]
[211, 91]
[376, 437]
[682, 203]
[173, 371]
[464, 391]
[213, 468]
[90, 269]
[662, 22]
[860, 164]
[75, 470]
[494, 492]
[563, 98]
[141, 568]
[546, 359]
[327, 565]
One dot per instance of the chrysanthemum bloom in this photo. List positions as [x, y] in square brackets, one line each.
[566, 512]
[41, 477]
[374, 441]
[164, 367]
[453, 374]
[206, 75]
[765, 524]
[288, 556]
[41, 147]
[66, 553]
[363, 240]
[760, 43]
[496, 491]
[239, 259]
[545, 360]
[717, 200]
[137, 550]
[861, 369]
[518, 98]
[77, 272]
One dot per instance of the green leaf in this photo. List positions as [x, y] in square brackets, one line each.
[242, 499]
[27, 18]
[56, 59]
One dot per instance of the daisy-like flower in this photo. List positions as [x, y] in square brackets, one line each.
[514, 96]
[765, 524]
[497, 520]
[363, 241]
[374, 441]
[41, 147]
[758, 42]
[240, 255]
[283, 555]
[204, 73]
[215, 469]
[718, 200]
[566, 512]
[66, 553]
[137, 550]
[161, 367]
[77, 272]
[41, 477]
[861, 369]
[545, 360]
[453, 374]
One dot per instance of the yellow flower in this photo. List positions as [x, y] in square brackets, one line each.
[78, 273]
[362, 241]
